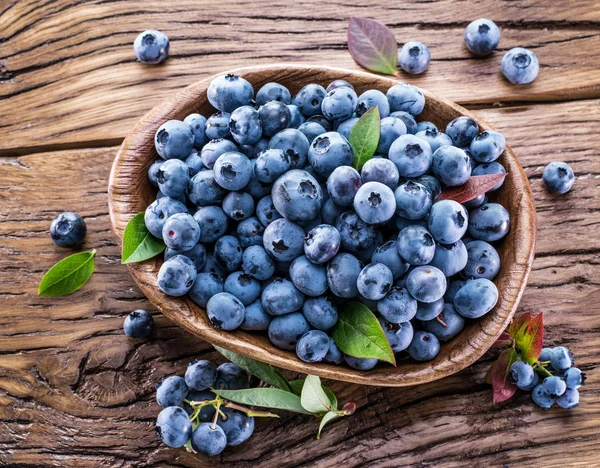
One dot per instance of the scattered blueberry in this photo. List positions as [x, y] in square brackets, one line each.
[68, 229]
[414, 57]
[138, 324]
[151, 46]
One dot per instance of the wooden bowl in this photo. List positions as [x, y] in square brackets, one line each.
[130, 193]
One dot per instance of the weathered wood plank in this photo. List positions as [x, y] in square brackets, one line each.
[68, 74]
[74, 391]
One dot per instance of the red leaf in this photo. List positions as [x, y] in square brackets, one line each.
[372, 45]
[503, 340]
[501, 386]
[472, 188]
[531, 341]
[517, 323]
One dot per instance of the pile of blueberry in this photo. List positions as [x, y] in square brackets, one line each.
[192, 414]
[560, 388]
[270, 228]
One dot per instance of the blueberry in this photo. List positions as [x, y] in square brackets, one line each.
[339, 104]
[181, 232]
[446, 325]
[308, 277]
[429, 311]
[309, 99]
[389, 255]
[296, 117]
[151, 46]
[331, 211]
[153, 171]
[453, 287]
[414, 57]
[541, 398]
[435, 138]
[297, 196]
[228, 253]
[334, 355]
[370, 99]
[561, 358]
[345, 127]
[250, 232]
[230, 376]
[238, 427]
[356, 235]
[411, 155]
[520, 66]
[407, 119]
[450, 258]
[363, 364]
[238, 205]
[448, 221]
[283, 240]
[203, 189]
[232, 171]
[208, 441]
[206, 285]
[521, 374]
[401, 337]
[426, 284]
[174, 427]
[482, 36]
[374, 203]
[244, 125]
[273, 92]
[211, 266]
[329, 151]
[426, 125]
[197, 123]
[243, 286]
[200, 374]
[215, 148]
[322, 243]
[174, 140]
[416, 245]
[68, 229]
[270, 164]
[374, 281]
[424, 346]
[569, 399]
[402, 223]
[286, 330]
[451, 165]
[476, 202]
[252, 150]
[194, 163]
[390, 129]
[196, 254]
[313, 345]
[489, 222]
[255, 187]
[487, 146]
[227, 93]
[171, 391]
[413, 200]
[558, 177]
[225, 311]
[462, 130]
[380, 170]
[281, 297]
[342, 185]
[574, 378]
[545, 355]
[322, 121]
[213, 223]
[274, 116]
[256, 319]
[294, 144]
[173, 177]
[407, 98]
[218, 125]
[476, 298]
[312, 130]
[397, 306]
[483, 260]
[320, 313]
[554, 386]
[339, 84]
[491, 168]
[266, 212]
[138, 324]
[342, 274]
[176, 276]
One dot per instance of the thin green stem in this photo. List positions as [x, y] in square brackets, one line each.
[542, 369]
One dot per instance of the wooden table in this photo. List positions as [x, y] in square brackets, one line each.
[74, 391]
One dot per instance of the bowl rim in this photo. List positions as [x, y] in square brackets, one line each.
[185, 313]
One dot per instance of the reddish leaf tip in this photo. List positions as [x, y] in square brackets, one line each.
[472, 188]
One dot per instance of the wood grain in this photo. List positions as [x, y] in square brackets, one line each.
[129, 193]
[74, 391]
[68, 75]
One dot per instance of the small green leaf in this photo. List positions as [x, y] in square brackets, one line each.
[364, 137]
[138, 243]
[264, 372]
[274, 398]
[296, 387]
[327, 417]
[530, 341]
[359, 334]
[313, 398]
[68, 275]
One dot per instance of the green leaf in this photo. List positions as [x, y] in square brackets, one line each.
[530, 339]
[359, 334]
[327, 417]
[364, 137]
[313, 398]
[296, 387]
[274, 398]
[68, 275]
[263, 371]
[138, 243]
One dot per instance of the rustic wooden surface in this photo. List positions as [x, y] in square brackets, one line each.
[74, 391]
